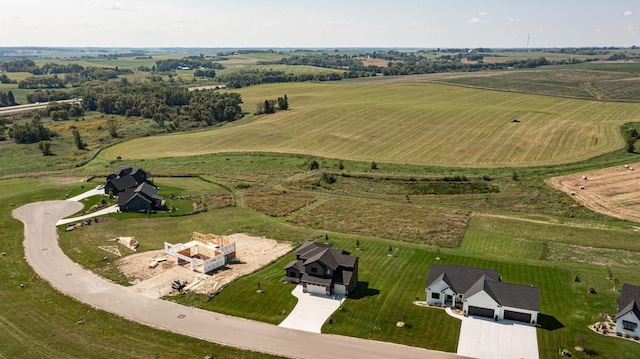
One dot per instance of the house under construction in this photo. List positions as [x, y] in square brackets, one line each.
[204, 253]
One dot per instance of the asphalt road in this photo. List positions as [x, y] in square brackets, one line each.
[47, 259]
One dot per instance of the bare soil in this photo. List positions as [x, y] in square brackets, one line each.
[252, 253]
[614, 191]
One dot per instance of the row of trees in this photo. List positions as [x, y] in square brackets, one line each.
[72, 79]
[64, 111]
[190, 62]
[243, 78]
[165, 103]
[7, 99]
[51, 95]
[4, 79]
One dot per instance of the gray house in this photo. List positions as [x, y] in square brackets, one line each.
[321, 269]
[134, 190]
[481, 292]
[628, 316]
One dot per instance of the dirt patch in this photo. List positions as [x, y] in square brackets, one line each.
[66, 180]
[253, 253]
[614, 191]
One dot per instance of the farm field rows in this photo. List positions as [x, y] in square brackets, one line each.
[413, 123]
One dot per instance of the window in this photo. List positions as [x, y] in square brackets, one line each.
[435, 295]
[314, 270]
[629, 326]
[292, 274]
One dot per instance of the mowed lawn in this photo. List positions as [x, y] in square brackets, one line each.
[412, 123]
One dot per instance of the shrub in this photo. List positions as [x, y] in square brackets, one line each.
[486, 178]
[592, 290]
[313, 165]
[374, 166]
[576, 278]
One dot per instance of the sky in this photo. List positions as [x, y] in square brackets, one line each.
[325, 24]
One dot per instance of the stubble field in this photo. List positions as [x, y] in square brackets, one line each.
[412, 123]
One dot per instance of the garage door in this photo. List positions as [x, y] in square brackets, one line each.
[483, 312]
[521, 317]
[316, 289]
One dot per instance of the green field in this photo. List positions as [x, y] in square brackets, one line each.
[413, 123]
[455, 176]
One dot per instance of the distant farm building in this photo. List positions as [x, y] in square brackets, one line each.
[204, 253]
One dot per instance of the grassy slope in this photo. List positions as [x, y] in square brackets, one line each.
[404, 123]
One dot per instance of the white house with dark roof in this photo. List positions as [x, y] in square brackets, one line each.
[481, 292]
[321, 269]
[628, 316]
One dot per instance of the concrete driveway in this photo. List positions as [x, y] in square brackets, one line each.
[80, 197]
[310, 312]
[487, 339]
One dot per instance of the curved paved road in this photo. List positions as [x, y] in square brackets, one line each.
[48, 260]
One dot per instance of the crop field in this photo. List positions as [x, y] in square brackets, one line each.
[588, 83]
[613, 191]
[414, 123]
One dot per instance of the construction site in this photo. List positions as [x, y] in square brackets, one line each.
[203, 265]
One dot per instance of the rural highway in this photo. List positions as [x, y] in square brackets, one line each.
[11, 110]
[47, 259]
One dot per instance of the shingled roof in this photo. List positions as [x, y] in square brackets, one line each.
[629, 300]
[471, 280]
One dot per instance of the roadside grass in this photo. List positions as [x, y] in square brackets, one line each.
[365, 123]
[39, 322]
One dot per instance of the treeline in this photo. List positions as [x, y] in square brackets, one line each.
[51, 95]
[4, 79]
[7, 99]
[407, 63]
[244, 78]
[72, 79]
[191, 62]
[173, 107]
[64, 111]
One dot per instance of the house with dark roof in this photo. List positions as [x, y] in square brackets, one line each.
[135, 193]
[322, 269]
[143, 198]
[628, 316]
[481, 292]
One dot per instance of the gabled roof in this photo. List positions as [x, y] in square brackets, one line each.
[296, 264]
[470, 281]
[122, 183]
[459, 278]
[629, 300]
[514, 295]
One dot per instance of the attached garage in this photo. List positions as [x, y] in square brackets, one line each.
[517, 316]
[316, 289]
[482, 312]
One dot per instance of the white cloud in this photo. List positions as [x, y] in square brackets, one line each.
[632, 29]
[474, 20]
[116, 6]
[627, 13]
[482, 13]
[513, 19]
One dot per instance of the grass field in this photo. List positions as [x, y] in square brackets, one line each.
[404, 123]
